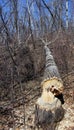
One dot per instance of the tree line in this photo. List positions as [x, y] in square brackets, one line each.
[20, 19]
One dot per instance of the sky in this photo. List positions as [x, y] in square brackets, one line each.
[22, 3]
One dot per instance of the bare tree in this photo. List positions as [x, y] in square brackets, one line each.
[67, 14]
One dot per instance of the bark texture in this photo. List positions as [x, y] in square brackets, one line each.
[49, 108]
[48, 114]
[52, 77]
[51, 69]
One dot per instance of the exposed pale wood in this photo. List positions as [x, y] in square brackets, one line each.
[48, 114]
[49, 108]
[51, 74]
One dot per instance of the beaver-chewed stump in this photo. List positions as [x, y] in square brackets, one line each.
[48, 114]
[49, 108]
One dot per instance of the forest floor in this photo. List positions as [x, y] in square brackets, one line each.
[18, 107]
[22, 116]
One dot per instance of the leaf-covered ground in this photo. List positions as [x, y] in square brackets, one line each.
[14, 119]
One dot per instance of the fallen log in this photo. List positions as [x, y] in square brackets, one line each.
[52, 80]
[49, 108]
[52, 77]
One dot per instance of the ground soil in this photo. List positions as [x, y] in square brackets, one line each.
[33, 90]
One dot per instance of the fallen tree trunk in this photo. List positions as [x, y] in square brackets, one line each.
[51, 74]
[51, 69]
[49, 108]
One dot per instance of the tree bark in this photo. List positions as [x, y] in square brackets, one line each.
[49, 108]
[48, 114]
[52, 77]
[67, 14]
[51, 69]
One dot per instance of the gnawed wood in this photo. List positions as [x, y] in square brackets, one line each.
[54, 84]
[49, 108]
[52, 77]
[48, 114]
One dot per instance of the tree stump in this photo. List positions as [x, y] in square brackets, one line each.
[47, 114]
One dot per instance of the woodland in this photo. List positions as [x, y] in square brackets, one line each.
[24, 24]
